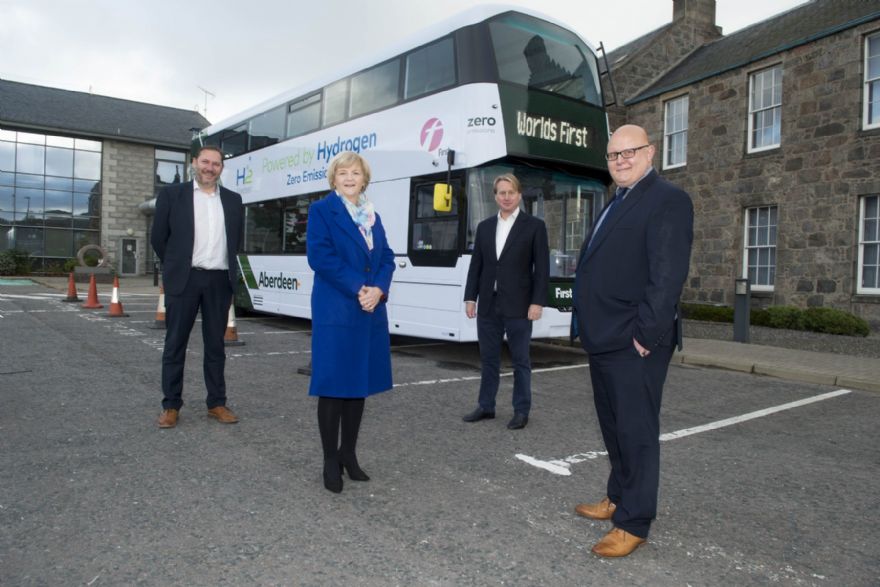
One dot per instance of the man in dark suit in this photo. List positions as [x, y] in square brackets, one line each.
[196, 233]
[629, 278]
[508, 276]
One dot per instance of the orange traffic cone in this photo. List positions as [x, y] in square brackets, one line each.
[115, 305]
[231, 336]
[159, 323]
[71, 291]
[92, 302]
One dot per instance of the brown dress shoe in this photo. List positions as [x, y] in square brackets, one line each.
[618, 542]
[168, 418]
[596, 511]
[223, 414]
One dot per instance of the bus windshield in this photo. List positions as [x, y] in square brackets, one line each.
[543, 56]
[566, 203]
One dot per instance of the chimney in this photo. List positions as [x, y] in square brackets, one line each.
[697, 11]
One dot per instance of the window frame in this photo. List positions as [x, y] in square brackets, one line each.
[869, 85]
[748, 247]
[667, 135]
[752, 112]
[860, 289]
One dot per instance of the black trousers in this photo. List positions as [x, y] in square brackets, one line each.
[627, 390]
[490, 333]
[208, 291]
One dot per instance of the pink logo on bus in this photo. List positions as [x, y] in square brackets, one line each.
[432, 134]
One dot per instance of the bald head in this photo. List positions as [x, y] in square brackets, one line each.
[627, 171]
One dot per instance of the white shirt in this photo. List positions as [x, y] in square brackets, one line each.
[502, 231]
[209, 230]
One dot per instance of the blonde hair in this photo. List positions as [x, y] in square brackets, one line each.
[506, 177]
[348, 159]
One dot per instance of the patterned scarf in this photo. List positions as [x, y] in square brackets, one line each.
[363, 215]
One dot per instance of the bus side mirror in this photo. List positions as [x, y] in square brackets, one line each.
[442, 197]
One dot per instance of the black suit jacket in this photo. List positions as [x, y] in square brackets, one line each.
[629, 282]
[173, 233]
[521, 272]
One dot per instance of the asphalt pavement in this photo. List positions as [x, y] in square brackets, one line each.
[789, 364]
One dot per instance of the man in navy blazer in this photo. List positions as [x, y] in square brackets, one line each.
[197, 230]
[506, 290]
[630, 274]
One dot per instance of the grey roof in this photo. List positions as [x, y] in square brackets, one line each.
[634, 46]
[798, 26]
[27, 106]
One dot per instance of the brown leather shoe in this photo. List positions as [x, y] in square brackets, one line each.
[596, 511]
[223, 414]
[618, 542]
[168, 418]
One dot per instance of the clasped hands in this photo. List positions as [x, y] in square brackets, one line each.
[369, 298]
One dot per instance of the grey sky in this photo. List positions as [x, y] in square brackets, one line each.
[161, 51]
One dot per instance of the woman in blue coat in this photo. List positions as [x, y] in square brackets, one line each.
[351, 348]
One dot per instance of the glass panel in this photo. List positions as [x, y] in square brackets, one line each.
[870, 231]
[83, 238]
[871, 206]
[541, 55]
[873, 53]
[753, 276]
[763, 276]
[31, 138]
[7, 178]
[55, 141]
[7, 135]
[59, 183]
[267, 128]
[753, 236]
[871, 254]
[82, 185]
[235, 141]
[430, 68]
[304, 116]
[6, 198]
[30, 158]
[59, 161]
[58, 221]
[23, 180]
[171, 155]
[30, 240]
[295, 223]
[59, 243]
[753, 257]
[375, 88]
[7, 216]
[262, 232]
[86, 205]
[7, 237]
[168, 172]
[763, 257]
[869, 277]
[86, 145]
[59, 203]
[437, 235]
[7, 156]
[28, 200]
[87, 165]
[334, 102]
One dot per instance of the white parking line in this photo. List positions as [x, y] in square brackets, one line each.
[476, 377]
[563, 466]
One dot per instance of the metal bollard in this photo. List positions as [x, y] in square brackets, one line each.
[741, 310]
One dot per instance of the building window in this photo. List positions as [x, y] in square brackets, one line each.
[675, 133]
[50, 196]
[765, 109]
[869, 245]
[759, 258]
[872, 81]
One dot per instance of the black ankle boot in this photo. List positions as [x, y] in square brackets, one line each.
[333, 475]
[355, 473]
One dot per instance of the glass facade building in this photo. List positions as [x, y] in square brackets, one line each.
[50, 196]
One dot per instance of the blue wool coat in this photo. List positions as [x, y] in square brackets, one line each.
[351, 348]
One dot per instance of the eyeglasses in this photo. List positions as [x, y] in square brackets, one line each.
[626, 153]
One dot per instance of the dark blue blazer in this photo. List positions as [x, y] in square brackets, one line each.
[629, 283]
[519, 275]
[173, 233]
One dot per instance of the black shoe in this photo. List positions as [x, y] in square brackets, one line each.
[518, 421]
[350, 464]
[333, 475]
[478, 414]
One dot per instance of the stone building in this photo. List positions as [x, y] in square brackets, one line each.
[774, 130]
[75, 168]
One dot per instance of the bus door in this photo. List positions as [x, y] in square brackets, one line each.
[429, 281]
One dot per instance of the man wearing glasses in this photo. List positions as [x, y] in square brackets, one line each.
[630, 274]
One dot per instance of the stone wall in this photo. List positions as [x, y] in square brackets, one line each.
[825, 163]
[128, 177]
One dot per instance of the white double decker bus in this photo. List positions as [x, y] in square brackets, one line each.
[491, 91]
